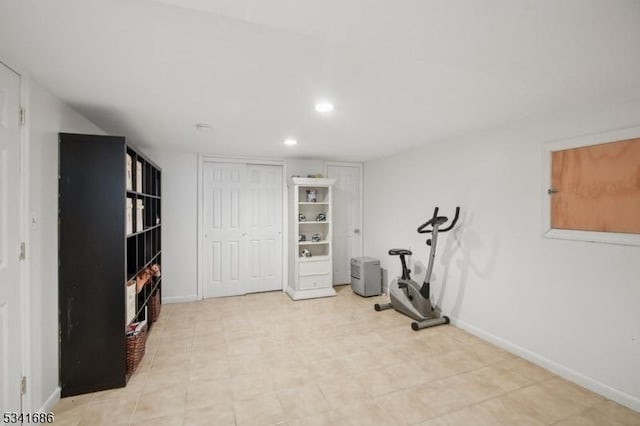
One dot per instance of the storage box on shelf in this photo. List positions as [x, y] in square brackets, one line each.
[311, 265]
[110, 257]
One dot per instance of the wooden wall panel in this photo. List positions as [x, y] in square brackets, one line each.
[598, 187]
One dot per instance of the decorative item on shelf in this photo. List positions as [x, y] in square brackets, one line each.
[136, 342]
[318, 176]
[143, 277]
[131, 301]
[312, 195]
[316, 237]
[139, 215]
[129, 216]
[302, 217]
[321, 217]
[305, 253]
[302, 237]
[139, 176]
[155, 270]
[129, 173]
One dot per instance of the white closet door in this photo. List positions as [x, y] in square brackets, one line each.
[264, 227]
[224, 242]
[347, 235]
[10, 320]
[242, 215]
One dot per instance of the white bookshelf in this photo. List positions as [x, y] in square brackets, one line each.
[310, 277]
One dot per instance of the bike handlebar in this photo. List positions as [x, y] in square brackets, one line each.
[439, 220]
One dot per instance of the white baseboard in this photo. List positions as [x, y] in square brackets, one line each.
[180, 299]
[562, 371]
[51, 401]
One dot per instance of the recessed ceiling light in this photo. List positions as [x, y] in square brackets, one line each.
[203, 127]
[290, 142]
[324, 107]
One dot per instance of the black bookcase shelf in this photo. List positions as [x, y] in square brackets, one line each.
[109, 232]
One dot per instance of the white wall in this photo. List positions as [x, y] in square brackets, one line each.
[303, 167]
[570, 306]
[179, 224]
[46, 116]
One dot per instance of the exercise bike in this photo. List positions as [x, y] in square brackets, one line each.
[407, 296]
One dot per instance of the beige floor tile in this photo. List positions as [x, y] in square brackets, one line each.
[264, 410]
[282, 358]
[73, 402]
[158, 379]
[285, 378]
[469, 416]
[507, 412]
[358, 362]
[545, 403]
[379, 381]
[248, 345]
[208, 363]
[342, 390]
[218, 415]
[364, 413]
[209, 344]
[202, 394]
[214, 370]
[174, 345]
[108, 412]
[616, 413]
[566, 391]
[369, 340]
[169, 361]
[162, 403]
[485, 383]
[454, 362]
[526, 369]
[608, 413]
[439, 398]
[249, 386]
[246, 364]
[488, 353]
[203, 359]
[327, 368]
[177, 420]
[406, 407]
[300, 402]
[326, 418]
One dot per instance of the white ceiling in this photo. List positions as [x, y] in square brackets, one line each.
[401, 73]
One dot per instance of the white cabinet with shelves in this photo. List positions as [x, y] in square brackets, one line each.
[310, 238]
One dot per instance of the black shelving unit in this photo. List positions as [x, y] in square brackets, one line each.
[99, 253]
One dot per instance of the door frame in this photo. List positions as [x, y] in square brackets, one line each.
[360, 167]
[24, 236]
[211, 158]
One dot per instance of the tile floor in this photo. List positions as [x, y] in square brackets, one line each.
[263, 359]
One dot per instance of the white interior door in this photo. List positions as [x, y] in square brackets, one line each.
[347, 217]
[10, 320]
[224, 242]
[242, 215]
[264, 227]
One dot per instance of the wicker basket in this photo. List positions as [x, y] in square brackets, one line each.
[135, 349]
[154, 306]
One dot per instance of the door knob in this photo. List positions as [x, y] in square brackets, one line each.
[356, 231]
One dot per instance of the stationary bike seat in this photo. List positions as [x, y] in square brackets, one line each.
[400, 252]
